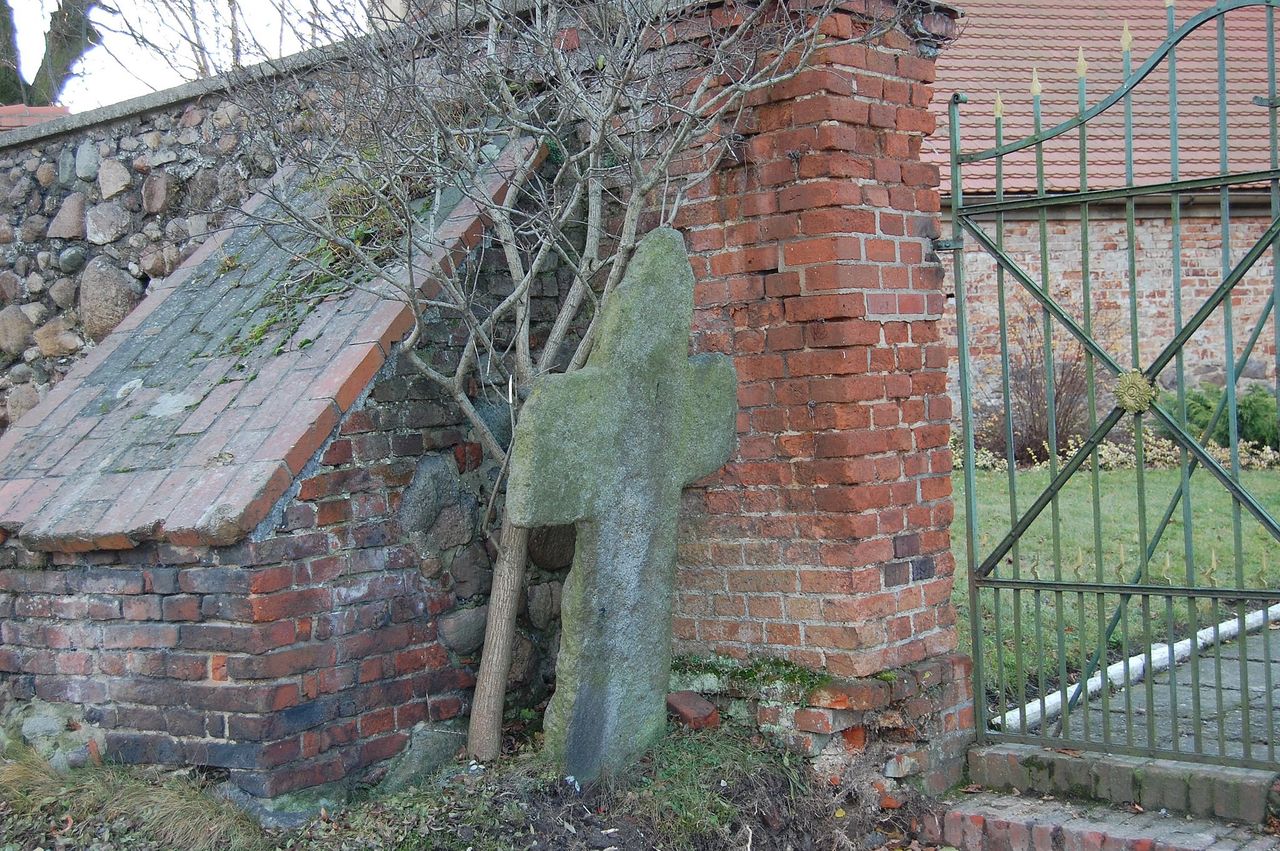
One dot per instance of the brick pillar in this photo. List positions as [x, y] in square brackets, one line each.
[826, 540]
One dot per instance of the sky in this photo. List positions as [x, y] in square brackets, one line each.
[119, 69]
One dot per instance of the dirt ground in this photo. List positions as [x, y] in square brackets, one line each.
[701, 791]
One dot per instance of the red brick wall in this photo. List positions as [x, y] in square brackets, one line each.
[825, 540]
[294, 660]
[1201, 274]
[306, 656]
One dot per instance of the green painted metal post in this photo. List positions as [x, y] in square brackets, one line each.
[966, 418]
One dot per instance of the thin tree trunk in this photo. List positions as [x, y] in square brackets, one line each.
[484, 737]
[70, 36]
[12, 89]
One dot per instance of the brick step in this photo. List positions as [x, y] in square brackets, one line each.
[994, 822]
[1202, 791]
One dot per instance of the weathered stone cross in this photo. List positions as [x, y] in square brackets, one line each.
[609, 448]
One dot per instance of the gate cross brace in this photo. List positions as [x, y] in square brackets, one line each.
[1176, 431]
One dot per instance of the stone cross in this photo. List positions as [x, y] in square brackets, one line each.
[609, 448]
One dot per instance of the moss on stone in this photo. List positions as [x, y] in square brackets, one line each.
[766, 677]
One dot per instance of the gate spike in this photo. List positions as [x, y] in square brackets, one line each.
[1035, 83]
[1126, 38]
[1082, 67]
[998, 111]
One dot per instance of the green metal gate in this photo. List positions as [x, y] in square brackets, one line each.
[1142, 530]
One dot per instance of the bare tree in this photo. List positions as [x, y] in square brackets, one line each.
[606, 117]
[204, 38]
[195, 38]
[69, 35]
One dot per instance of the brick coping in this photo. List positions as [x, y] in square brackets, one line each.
[161, 434]
[16, 116]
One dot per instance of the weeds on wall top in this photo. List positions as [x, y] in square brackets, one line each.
[366, 233]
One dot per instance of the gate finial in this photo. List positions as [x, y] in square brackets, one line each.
[1035, 83]
[1082, 67]
[1126, 39]
[998, 111]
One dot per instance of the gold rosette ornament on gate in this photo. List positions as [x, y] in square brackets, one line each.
[1134, 393]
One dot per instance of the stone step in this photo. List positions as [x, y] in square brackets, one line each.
[994, 822]
[1203, 791]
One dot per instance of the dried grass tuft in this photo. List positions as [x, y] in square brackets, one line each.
[174, 811]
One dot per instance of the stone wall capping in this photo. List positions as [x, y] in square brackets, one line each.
[239, 424]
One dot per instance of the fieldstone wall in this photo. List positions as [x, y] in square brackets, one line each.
[89, 216]
[342, 632]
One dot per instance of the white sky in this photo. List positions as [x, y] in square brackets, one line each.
[119, 69]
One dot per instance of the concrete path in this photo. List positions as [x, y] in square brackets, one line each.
[1218, 704]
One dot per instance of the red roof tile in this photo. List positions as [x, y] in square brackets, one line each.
[1001, 41]
[16, 116]
[165, 433]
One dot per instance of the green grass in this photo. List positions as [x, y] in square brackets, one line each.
[1065, 628]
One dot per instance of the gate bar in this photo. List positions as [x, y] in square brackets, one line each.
[966, 414]
[1065, 199]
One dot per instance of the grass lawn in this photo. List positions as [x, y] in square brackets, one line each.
[1066, 627]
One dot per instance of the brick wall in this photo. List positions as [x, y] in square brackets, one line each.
[825, 540]
[307, 655]
[1201, 274]
[302, 657]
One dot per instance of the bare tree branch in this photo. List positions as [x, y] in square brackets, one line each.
[636, 105]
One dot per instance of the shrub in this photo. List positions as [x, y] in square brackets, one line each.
[1255, 415]
[1027, 390]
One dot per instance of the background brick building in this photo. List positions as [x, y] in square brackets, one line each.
[999, 45]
